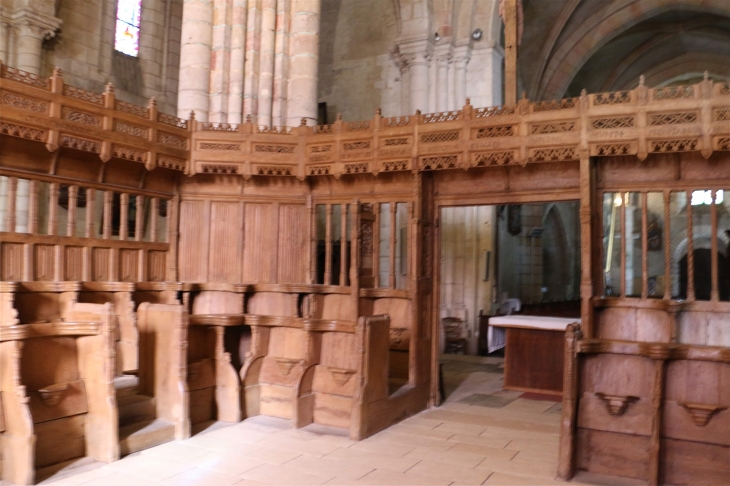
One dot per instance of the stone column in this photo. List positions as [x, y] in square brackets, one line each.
[418, 80]
[238, 42]
[4, 203]
[266, 78]
[4, 37]
[251, 65]
[304, 59]
[442, 85]
[31, 29]
[220, 67]
[460, 79]
[281, 64]
[195, 56]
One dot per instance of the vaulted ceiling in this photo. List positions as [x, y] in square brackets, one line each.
[605, 45]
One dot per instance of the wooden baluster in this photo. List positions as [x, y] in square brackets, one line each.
[107, 229]
[153, 219]
[53, 209]
[667, 248]
[123, 216]
[328, 248]
[90, 208]
[33, 213]
[12, 203]
[312, 240]
[73, 192]
[690, 251]
[139, 219]
[343, 245]
[622, 278]
[376, 246]
[714, 295]
[644, 246]
[393, 240]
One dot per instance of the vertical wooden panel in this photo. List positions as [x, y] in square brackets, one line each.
[74, 263]
[156, 266]
[100, 264]
[44, 259]
[225, 240]
[292, 244]
[12, 261]
[257, 243]
[193, 241]
[128, 265]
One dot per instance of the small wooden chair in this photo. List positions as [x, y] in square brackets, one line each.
[454, 335]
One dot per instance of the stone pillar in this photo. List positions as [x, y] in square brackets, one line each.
[442, 85]
[304, 59]
[461, 59]
[252, 64]
[220, 61]
[266, 78]
[418, 78]
[195, 57]
[4, 203]
[31, 28]
[281, 64]
[238, 43]
[4, 38]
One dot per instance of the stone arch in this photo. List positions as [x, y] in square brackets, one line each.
[699, 242]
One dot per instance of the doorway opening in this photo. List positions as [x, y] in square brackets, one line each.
[505, 259]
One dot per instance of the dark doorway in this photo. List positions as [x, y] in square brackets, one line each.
[703, 275]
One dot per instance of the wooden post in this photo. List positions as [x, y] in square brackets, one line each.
[139, 219]
[153, 223]
[123, 216]
[393, 240]
[73, 192]
[586, 242]
[509, 17]
[343, 245]
[328, 247]
[690, 251]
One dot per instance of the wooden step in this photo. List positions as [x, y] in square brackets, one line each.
[143, 435]
[135, 408]
[126, 385]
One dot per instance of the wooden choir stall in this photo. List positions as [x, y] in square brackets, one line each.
[157, 273]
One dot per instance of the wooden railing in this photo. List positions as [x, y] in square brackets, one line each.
[633, 122]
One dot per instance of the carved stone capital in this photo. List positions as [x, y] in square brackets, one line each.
[30, 23]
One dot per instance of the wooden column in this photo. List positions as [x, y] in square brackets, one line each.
[690, 251]
[376, 245]
[73, 192]
[393, 240]
[153, 223]
[123, 216]
[328, 248]
[510, 51]
[343, 245]
[139, 219]
[33, 210]
[586, 242]
[53, 210]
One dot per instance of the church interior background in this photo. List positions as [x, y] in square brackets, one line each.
[364, 241]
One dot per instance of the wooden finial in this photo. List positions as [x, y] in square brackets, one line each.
[248, 118]
[339, 117]
[378, 111]
[109, 88]
[706, 76]
[192, 115]
[303, 123]
[418, 112]
[152, 103]
[468, 101]
[642, 79]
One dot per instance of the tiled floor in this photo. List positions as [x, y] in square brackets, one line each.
[481, 435]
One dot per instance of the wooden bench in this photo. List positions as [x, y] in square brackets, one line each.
[62, 406]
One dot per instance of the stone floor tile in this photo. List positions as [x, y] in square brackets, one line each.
[148, 467]
[272, 456]
[312, 447]
[79, 475]
[531, 406]
[344, 470]
[496, 442]
[202, 477]
[417, 421]
[384, 445]
[120, 479]
[452, 472]
[230, 462]
[220, 444]
[411, 441]
[273, 474]
[463, 459]
[381, 477]
[509, 479]
[437, 433]
[176, 451]
[464, 429]
[383, 461]
[485, 451]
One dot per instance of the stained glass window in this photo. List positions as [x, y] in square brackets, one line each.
[127, 31]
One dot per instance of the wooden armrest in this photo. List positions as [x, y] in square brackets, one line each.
[225, 320]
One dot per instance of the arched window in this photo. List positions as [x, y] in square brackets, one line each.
[126, 39]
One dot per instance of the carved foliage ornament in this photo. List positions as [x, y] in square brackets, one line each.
[23, 103]
[171, 140]
[172, 120]
[82, 94]
[135, 110]
[494, 158]
[557, 127]
[171, 162]
[389, 142]
[494, 111]
[361, 168]
[80, 144]
[356, 145]
[493, 132]
[82, 117]
[616, 98]
[318, 170]
[25, 77]
[129, 129]
[440, 137]
[612, 149]
[553, 154]
[274, 170]
[395, 165]
[23, 132]
[614, 122]
[219, 169]
[275, 149]
[684, 145]
[218, 146]
[673, 118]
[440, 163]
[129, 153]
